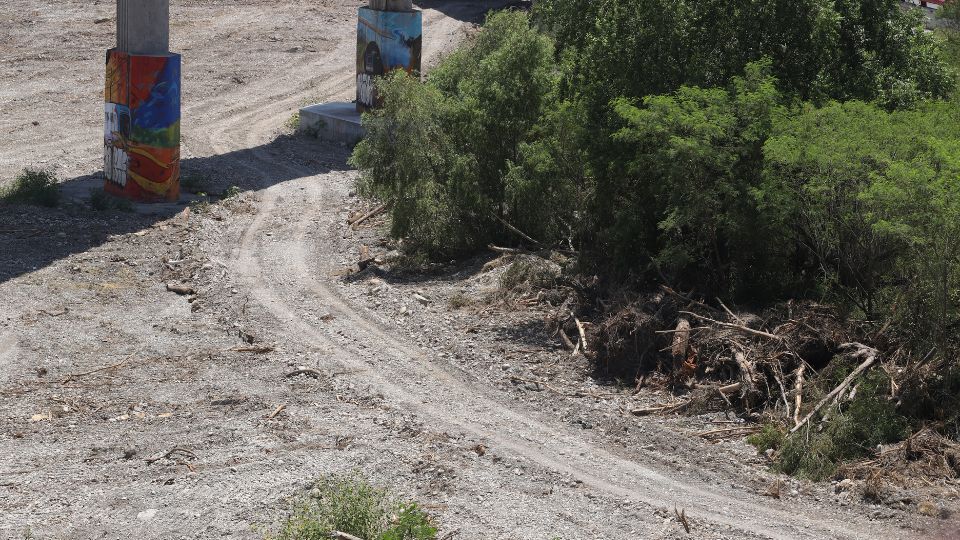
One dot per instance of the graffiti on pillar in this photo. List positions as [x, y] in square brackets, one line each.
[386, 41]
[141, 157]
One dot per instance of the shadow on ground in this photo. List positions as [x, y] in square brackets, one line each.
[33, 237]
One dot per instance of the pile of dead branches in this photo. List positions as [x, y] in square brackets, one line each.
[725, 359]
[925, 457]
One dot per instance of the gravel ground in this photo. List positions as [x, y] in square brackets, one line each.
[130, 410]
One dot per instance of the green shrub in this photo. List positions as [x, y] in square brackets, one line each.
[874, 198]
[351, 505]
[770, 437]
[440, 151]
[856, 49]
[853, 433]
[686, 195]
[33, 186]
[231, 192]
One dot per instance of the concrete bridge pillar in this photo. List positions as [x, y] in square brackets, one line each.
[389, 37]
[143, 26]
[142, 113]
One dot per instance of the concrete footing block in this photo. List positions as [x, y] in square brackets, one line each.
[335, 122]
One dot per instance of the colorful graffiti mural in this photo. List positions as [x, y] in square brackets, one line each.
[386, 40]
[141, 157]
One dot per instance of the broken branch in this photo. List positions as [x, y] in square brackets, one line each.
[515, 230]
[375, 212]
[740, 327]
[861, 351]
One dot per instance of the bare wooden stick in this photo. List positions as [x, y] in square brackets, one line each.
[258, 349]
[515, 230]
[505, 250]
[798, 399]
[676, 407]
[730, 389]
[670, 291]
[730, 313]
[682, 517]
[729, 431]
[583, 334]
[681, 340]
[375, 212]
[566, 340]
[277, 411]
[746, 371]
[172, 451]
[740, 327]
[98, 370]
[861, 351]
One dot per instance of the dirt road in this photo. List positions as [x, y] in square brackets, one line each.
[130, 411]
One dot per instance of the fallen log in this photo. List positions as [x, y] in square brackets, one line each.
[373, 213]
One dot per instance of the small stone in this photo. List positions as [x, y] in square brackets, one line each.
[147, 515]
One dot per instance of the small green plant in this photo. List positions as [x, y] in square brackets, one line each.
[770, 437]
[101, 201]
[201, 206]
[33, 186]
[230, 192]
[351, 505]
[294, 121]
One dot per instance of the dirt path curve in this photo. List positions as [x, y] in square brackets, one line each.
[280, 275]
[404, 416]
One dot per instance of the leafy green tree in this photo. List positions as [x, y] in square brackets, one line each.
[820, 49]
[440, 152]
[875, 198]
[686, 199]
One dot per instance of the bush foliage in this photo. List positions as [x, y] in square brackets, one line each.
[754, 150]
[349, 504]
[32, 186]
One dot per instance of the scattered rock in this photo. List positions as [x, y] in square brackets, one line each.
[182, 290]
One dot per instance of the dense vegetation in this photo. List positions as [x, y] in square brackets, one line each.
[754, 150]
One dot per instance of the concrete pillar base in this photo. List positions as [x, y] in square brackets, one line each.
[141, 159]
[334, 122]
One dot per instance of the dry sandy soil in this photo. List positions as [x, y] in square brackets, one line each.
[103, 371]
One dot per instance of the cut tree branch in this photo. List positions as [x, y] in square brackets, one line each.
[740, 327]
[861, 351]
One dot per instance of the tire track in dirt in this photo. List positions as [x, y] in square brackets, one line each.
[429, 390]
[408, 378]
